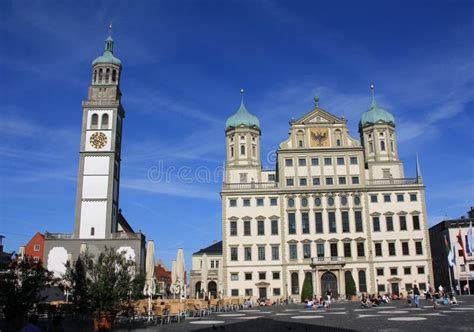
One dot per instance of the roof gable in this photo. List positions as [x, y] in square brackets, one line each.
[319, 116]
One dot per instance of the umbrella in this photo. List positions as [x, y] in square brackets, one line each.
[204, 274]
[173, 272]
[180, 271]
[21, 253]
[150, 285]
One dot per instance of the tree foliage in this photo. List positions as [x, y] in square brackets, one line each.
[350, 285]
[307, 291]
[20, 286]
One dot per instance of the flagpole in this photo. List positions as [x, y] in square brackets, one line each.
[450, 279]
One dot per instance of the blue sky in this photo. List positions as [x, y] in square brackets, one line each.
[184, 63]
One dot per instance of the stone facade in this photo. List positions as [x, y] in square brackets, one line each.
[332, 206]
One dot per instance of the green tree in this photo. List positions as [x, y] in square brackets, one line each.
[75, 281]
[20, 286]
[307, 291]
[350, 285]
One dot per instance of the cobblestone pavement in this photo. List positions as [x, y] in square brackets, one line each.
[397, 316]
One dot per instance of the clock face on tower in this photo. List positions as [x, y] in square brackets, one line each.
[98, 140]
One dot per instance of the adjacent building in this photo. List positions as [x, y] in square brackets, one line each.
[34, 249]
[334, 206]
[462, 272]
[206, 272]
[98, 220]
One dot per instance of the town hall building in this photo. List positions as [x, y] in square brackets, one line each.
[334, 207]
[98, 219]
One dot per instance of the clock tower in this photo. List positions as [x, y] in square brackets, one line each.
[99, 166]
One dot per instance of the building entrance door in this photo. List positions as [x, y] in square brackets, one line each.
[329, 281]
[395, 289]
[262, 292]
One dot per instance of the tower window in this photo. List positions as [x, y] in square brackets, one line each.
[95, 76]
[92, 231]
[105, 122]
[94, 121]
[107, 75]
[232, 152]
[100, 75]
[242, 150]
[114, 75]
[254, 151]
[371, 147]
[382, 145]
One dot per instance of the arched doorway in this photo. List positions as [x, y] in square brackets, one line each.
[212, 288]
[329, 281]
[197, 290]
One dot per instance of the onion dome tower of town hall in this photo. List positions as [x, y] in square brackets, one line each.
[243, 146]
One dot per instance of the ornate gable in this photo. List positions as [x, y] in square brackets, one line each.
[318, 115]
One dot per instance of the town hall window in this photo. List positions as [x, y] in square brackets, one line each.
[94, 121]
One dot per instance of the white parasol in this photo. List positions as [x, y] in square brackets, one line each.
[150, 284]
[204, 272]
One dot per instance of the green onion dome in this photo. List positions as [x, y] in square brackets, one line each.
[242, 118]
[108, 56]
[376, 114]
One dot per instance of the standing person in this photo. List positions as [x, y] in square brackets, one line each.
[328, 296]
[416, 295]
[458, 289]
[441, 289]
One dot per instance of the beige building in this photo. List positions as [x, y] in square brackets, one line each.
[333, 206]
[206, 277]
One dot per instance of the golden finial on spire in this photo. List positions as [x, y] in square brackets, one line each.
[110, 28]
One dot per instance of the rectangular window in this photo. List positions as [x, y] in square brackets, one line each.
[276, 292]
[413, 198]
[376, 224]
[421, 269]
[407, 270]
[416, 222]
[288, 162]
[422, 286]
[403, 223]
[232, 202]
[234, 276]
[271, 177]
[345, 221]
[248, 253]
[318, 216]
[261, 253]
[290, 182]
[305, 222]
[302, 161]
[259, 201]
[358, 221]
[246, 202]
[276, 275]
[303, 182]
[353, 160]
[274, 227]
[273, 202]
[329, 181]
[293, 251]
[373, 198]
[386, 198]
[234, 292]
[306, 250]
[405, 249]
[333, 248]
[418, 248]
[327, 161]
[360, 249]
[291, 223]
[332, 222]
[380, 271]
[381, 288]
[320, 250]
[247, 227]
[389, 222]
[391, 249]
[36, 259]
[340, 161]
[316, 181]
[248, 292]
[355, 180]
[36, 247]
[409, 286]
[342, 180]
[314, 161]
[347, 249]
[275, 253]
[393, 271]
[233, 228]
[378, 249]
[400, 198]
[248, 276]
[233, 254]
[260, 227]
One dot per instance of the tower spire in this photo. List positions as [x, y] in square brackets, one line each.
[242, 91]
[372, 90]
